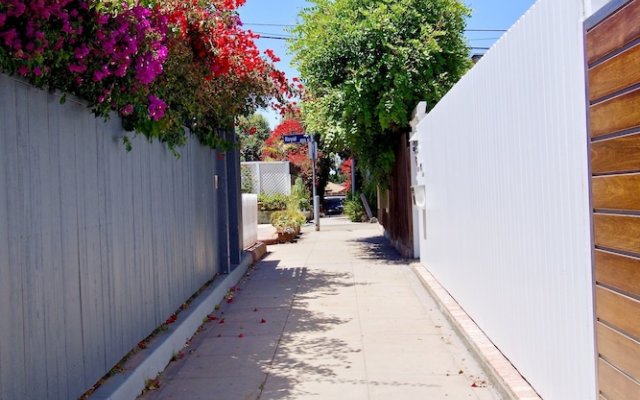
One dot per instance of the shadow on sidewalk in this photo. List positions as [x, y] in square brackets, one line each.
[311, 346]
[377, 248]
[285, 325]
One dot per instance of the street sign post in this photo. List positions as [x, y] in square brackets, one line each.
[301, 138]
[298, 138]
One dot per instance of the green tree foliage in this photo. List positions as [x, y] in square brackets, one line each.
[252, 132]
[367, 63]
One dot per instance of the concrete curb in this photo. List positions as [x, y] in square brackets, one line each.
[257, 251]
[503, 375]
[148, 363]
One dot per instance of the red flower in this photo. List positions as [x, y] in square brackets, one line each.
[272, 56]
[171, 319]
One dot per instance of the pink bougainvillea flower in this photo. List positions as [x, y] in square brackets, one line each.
[157, 107]
[99, 75]
[9, 37]
[127, 110]
[77, 68]
[18, 9]
[102, 19]
[81, 52]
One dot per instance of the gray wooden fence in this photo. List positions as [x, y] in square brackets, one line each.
[97, 246]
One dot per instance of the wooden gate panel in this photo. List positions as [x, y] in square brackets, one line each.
[613, 57]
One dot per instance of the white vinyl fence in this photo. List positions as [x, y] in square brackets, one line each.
[503, 158]
[269, 177]
[249, 220]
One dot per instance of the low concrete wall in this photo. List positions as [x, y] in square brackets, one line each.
[249, 220]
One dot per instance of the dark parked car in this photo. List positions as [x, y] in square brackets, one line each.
[333, 205]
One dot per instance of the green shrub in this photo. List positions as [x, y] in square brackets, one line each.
[354, 209]
[299, 196]
[299, 204]
[273, 202]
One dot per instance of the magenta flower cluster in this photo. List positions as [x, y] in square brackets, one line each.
[157, 108]
[111, 60]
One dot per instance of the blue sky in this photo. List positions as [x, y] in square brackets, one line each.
[487, 14]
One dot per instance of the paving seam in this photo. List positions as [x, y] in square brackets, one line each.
[275, 353]
[364, 353]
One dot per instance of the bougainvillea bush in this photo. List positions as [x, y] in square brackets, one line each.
[298, 155]
[162, 65]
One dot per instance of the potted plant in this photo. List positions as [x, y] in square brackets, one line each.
[287, 224]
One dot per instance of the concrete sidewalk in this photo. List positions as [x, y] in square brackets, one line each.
[337, 315]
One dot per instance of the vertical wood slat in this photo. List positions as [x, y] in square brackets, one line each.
[56, 363]
[12, 339]
[104, 301]
[32, 242]
[616, 31]
[5, 276]
[70, 266]
[115, 246]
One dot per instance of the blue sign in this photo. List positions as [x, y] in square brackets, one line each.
[298, 138]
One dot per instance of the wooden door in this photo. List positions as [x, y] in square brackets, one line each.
[613, 62]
